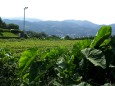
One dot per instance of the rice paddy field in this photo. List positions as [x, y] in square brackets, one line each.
[16, 46]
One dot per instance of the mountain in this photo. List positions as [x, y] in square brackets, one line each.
[113, 28]
[27, 19]
[72, 28]
[83, 23]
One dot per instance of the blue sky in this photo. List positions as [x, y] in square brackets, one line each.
[97, 11]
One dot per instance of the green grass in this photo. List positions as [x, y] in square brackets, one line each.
[8, 34]
[17, 45]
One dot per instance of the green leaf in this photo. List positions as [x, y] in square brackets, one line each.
[26, 60]
[103, 34]
[108, 84]
[56, 83]
[53, 53]
[83, 84]
[37, 70]
[95, 56]
[106, 42]
[34, 70]
[25, 79]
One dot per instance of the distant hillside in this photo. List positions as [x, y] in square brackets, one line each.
[27, 19]
[61, 28]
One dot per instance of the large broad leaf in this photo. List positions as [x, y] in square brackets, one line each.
[103, 34]
[95, 56]
[26, 60]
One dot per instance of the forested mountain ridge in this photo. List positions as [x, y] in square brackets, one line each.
[61, 28]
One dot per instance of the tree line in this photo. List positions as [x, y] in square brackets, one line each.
[3, 25]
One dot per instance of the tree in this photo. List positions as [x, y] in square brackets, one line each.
[54, 37]
[40, 35]
[1, 22]
[4, 25]
[12, 26]
[67, 37]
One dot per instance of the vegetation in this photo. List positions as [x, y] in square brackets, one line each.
[87, 63]
[50, 62]
[38, 35]
[8, 26]
[73, 28]
[14, 29]
[17, 46]
[8, 34]
[9, 30]
[8, 69]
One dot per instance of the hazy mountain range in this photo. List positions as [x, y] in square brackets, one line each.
[61, 28]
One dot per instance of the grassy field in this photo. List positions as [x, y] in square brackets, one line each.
[8, 34]
[16, 46]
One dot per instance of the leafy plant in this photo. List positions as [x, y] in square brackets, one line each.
[87, 64]
[101, 56]
[8, 69]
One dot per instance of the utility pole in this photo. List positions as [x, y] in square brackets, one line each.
[24, 20]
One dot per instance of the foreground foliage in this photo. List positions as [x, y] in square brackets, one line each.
[88, 64]
[8, 69]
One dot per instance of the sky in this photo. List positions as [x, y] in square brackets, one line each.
[96, 11]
